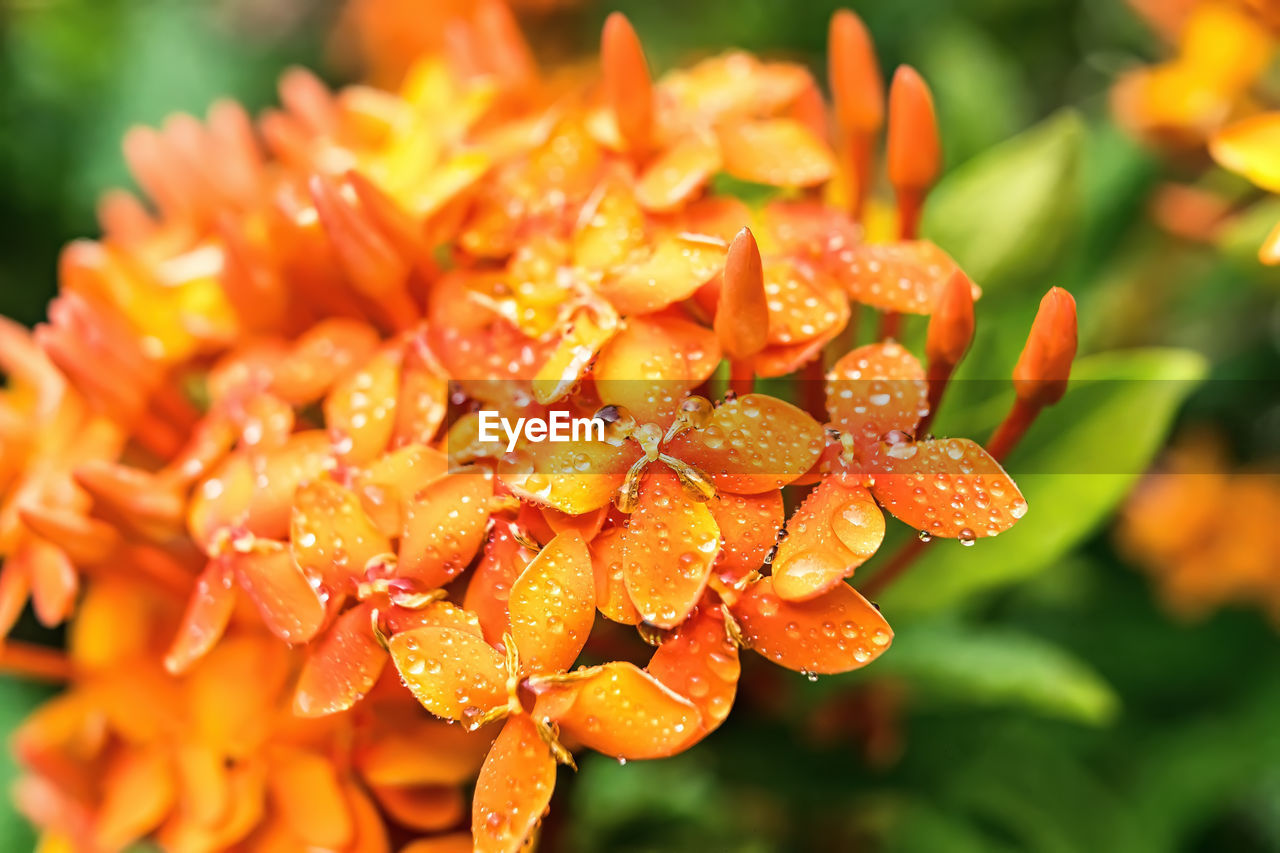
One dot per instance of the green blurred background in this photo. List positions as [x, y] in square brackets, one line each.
[1037, 697]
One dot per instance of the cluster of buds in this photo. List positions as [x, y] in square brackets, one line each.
[251, 431]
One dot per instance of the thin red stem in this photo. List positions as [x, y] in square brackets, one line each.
[890, 325]
[939, 375]
[1012, 428]
[742, 377]
[32, 661]
[898, 563]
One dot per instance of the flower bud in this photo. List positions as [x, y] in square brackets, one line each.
[742, 314]
[857, 87]
[951, 325]
[627, 85]
[1040, 376]
[914, 151]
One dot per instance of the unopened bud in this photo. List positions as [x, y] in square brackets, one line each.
[742, 313]
[914, 151]
[951, 326]
[857, 87]
[627, 85]
[1040, 376]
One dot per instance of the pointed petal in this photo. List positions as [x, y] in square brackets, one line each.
[489, 590]
[678, 174]
[290, 607]
[208, 611]
[450, 671]
[621, 710]
[444, 526]
[652, 362]
[906, 276]
[835, 632]
[553, 606]
[876, 389]
[752, 444]
[608, 565]
[946, 487]
[835, 530]
[331, 537]
[342, 666]
[422, 404]
[749, 527]
[670, 272]
[514, 788]
[699, 661]
[668, 546]
[360, 411]
[138, 791]
[779, 152]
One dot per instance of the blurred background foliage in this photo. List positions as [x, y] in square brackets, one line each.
[1037, 697]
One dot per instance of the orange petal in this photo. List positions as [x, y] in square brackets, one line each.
[742, 308]
[572, 476]
[836, 632]
[608, 563]
[514, 788]
[779, 152]
[423, 807]
[611, 227]
[394, 480]
[290, 607]
[342, 666]
[678, 174]
[803, 303]
[907, 276]
[422, 404]
[946, 487]
[652, 362]
[360, 411]
[408, 747]
[752, 444]
[305, 788]
[699, 661]
[325, 352]
[454, 842]
[53, 579]
[553, 606]
[670, 272]
[576, 349]
[835, 530]
[437, 614]
[1248, 147]
[749, 527]
[912, 149]
[255, 489]
[452, 673]
[668, 546]
[875, 389]
[204, 783]
[489, 590]
[208, 611]
[444, 527]
[331, 537]
[621, 710]
[138, 788]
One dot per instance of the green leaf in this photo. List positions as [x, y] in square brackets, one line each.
[1006, 215]
[998, 667]
[1077, 463]
[17, 699]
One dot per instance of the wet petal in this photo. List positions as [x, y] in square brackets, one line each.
[946, 487]
[514, 788]
[621, 710]
[678, 174]
[835, 632]
[652, 362]
[444, 526]
[835, 530]
[395, 479]
[906, 276]
[290, 607]
[608, 565]
[876, 389]
[749, 527]
[360, 411]
[489, 590]
[803, 303]
[450, 671]
[699, 661]
[780, 152]
[213, 599]
[572, 476]
[342, 666]
[576, 349]
[422, 404]
[752, 444]
[612, 226]
[331, 537]
[552, 606]
[670, 272]
[668, 546]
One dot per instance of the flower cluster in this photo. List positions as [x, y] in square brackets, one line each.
[247, 439]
